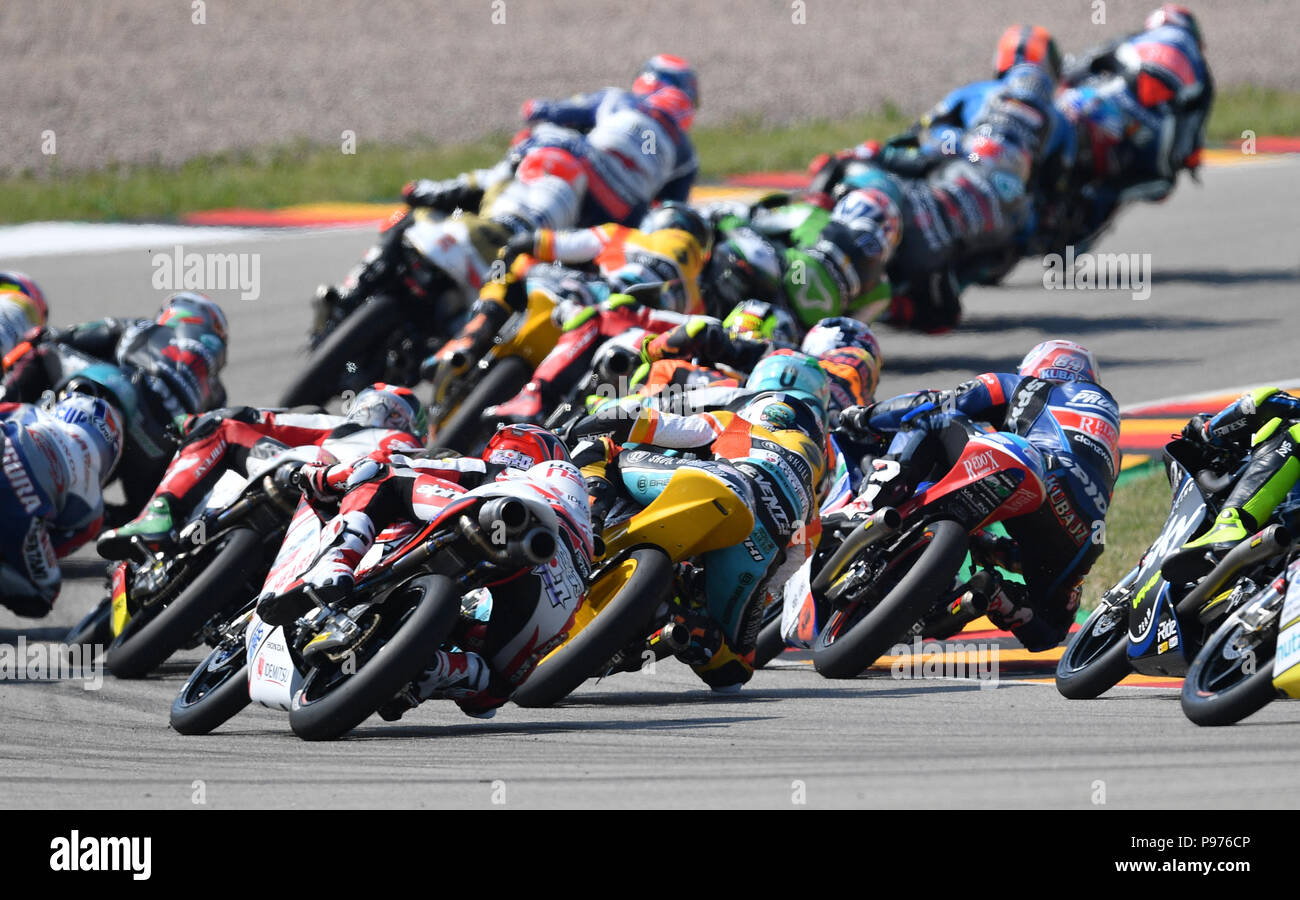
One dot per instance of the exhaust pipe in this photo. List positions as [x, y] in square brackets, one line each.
[1269, 542]
[509, 513]
[675, 636]
[536, 547]
[883, 522]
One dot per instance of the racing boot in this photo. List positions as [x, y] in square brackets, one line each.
[1196, 558]
[452, 676]
[707, 653]
[154, 526]
[890, 483]
[331, 575]
[526, 407]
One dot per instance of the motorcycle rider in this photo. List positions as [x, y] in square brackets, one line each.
[1056, 403]
[670, 246]
[769, 452]
[385, 418]
[939, 135]
[598, 157]
[531, 613]
[56, 462]
[1270, 420]
[1139, 106]
[961, 214]
[820, 262]
[23, 311]
[170, 365]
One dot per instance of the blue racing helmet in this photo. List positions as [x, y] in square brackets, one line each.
[794, 373]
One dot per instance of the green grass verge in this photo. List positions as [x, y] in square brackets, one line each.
[1137, 511]
[305, 173]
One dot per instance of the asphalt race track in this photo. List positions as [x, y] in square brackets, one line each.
[1221, 313]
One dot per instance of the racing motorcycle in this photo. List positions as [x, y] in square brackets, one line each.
[1252, 658]
[337, 663]
[408, 295]
[455, 414]
[159, 603]
[625, 622]
[894, 572]
[148, 443]
[1146, 624]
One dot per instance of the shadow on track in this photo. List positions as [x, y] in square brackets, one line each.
[1057, 322]
[1225, 276]
[559, 727]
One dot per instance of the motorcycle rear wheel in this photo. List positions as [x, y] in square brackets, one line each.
[619, 609]
[465, 426]
[331, 703]
[370, 323]
[849, 643]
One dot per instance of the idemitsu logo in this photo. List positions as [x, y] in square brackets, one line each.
[102, 854]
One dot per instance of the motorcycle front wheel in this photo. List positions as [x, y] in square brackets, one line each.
[855, 636]
[1232, 677]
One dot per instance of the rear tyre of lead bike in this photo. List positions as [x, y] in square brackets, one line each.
[331, 703]
[1096, 658]
[618, 610]
[465, 427]
[1217, 689]
[216, 690]
[770, 643]
[359, 336]
[229, 571]
[849, 642]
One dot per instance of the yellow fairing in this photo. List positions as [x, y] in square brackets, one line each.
[1289, 681]
[603, 590]
[695, 513]
[537, 333]
[121, 615]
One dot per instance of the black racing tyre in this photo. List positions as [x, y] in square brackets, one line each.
[619, 609]
[225, 582]
[354, 340]
[95, 628]
[770, 643]
[1220, 688]
[850, 641]
[216, 690]
[331, 703]
[1096, 658]
[465, 426]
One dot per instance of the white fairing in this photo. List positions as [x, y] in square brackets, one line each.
[798, 598]
[446, 243]
[272, 677]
